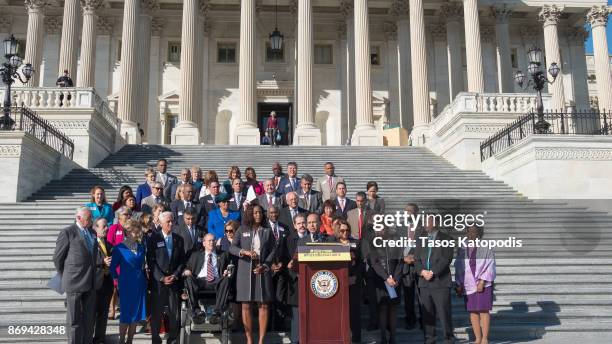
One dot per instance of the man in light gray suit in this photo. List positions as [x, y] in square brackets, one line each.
[156, 197]
[270, 197]
[76, 251]
[326, 185]
[308, 198]
[358, 217]
[164, 177]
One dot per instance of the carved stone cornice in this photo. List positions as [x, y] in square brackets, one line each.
[149, 7]
[598, 15]
[501, 13]
[157, 26]
[487, 34]
[400, 9]
[550, 14]
[53, 25]
[36, 5]
[105, 25]
[347, 8]
[91, 6]
[438, 31]
[452, 11]
[562, 153]
[10, 151]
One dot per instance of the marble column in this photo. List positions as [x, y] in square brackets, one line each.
[67, 59]
[576, 37]
[420, 85]
[440, 72]
[155, 84]
[550, 16]
[47, 73]
[186, 130]
[473, 49]
[306, 133]
[87, 76]
[598, 18]
[453, 14]
[105, 33]
[128, 96]
[148, 7]
[365, 134]
[400, 9]
[348, 25]
[247, 132]
[35, 37]
[502, 15]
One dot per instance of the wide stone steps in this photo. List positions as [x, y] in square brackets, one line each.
[558, 282]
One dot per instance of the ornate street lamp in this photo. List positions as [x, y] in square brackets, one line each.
[9, 73]
[537, 77]
[276, 37]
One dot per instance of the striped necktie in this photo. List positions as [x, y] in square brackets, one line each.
[210, 272]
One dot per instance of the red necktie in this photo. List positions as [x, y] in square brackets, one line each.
[330, 182]
[269, 201]
[210, 272]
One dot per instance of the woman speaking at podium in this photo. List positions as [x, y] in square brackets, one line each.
[254, 245]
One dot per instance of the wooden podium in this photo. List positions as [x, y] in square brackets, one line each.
[323, 293]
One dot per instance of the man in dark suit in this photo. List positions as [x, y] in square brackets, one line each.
[191, 234]
[292, 299]
[270, 197]
[178, 207]
[166, 260]
[343, 203]
[308, 198]
[209, 202]
[287, 214]
[279, 267]
[207, 269]
[238, 196]
[432, 265]
[164, 177]
[277, 173]
[291, 181]
[75, 256]
[313, 233]
[104, 281]
[185, 180]
[156, 197]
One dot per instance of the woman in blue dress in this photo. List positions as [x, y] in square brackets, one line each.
[130, 257]
[218, 217]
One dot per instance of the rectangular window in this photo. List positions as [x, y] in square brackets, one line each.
[226, 52]
[174, 52]
[275, 56]
[514, 57]
[375, 55]
[323, 54]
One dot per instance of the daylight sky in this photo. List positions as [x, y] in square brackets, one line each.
[589, 43]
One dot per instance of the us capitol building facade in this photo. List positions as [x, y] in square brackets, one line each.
[206, 71]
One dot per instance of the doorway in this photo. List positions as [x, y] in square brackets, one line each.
[284, 114]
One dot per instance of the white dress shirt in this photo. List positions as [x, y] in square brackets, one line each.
[204, 272]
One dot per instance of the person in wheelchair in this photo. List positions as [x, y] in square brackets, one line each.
[207, 270]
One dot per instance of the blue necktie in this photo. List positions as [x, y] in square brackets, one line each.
[429, 237]
[169, 245]
[88, 239]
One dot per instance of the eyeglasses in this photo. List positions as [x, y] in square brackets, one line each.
[229, 231]
[344, 230]
[156, 188]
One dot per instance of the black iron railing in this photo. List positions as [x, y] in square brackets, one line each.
[24, 119]
[576, 123]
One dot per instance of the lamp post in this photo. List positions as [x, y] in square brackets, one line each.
[9, 73]
[276, 37]
[538, 80]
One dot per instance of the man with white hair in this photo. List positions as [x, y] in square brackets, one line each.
[165, 259]
[76, 251]
[288, 213]
[156, 197]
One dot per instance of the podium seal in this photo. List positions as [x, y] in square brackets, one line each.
[324, 284]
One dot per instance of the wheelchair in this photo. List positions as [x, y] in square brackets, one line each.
[190, 326]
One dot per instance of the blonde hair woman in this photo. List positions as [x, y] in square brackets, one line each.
[129, 256]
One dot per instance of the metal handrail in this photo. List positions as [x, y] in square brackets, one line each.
[563, 123]
[26, 120]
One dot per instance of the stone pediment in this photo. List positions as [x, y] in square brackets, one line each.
[171, 97]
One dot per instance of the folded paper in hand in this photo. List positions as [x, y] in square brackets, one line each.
[55, 283]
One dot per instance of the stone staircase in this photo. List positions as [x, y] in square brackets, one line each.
[556, 287]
